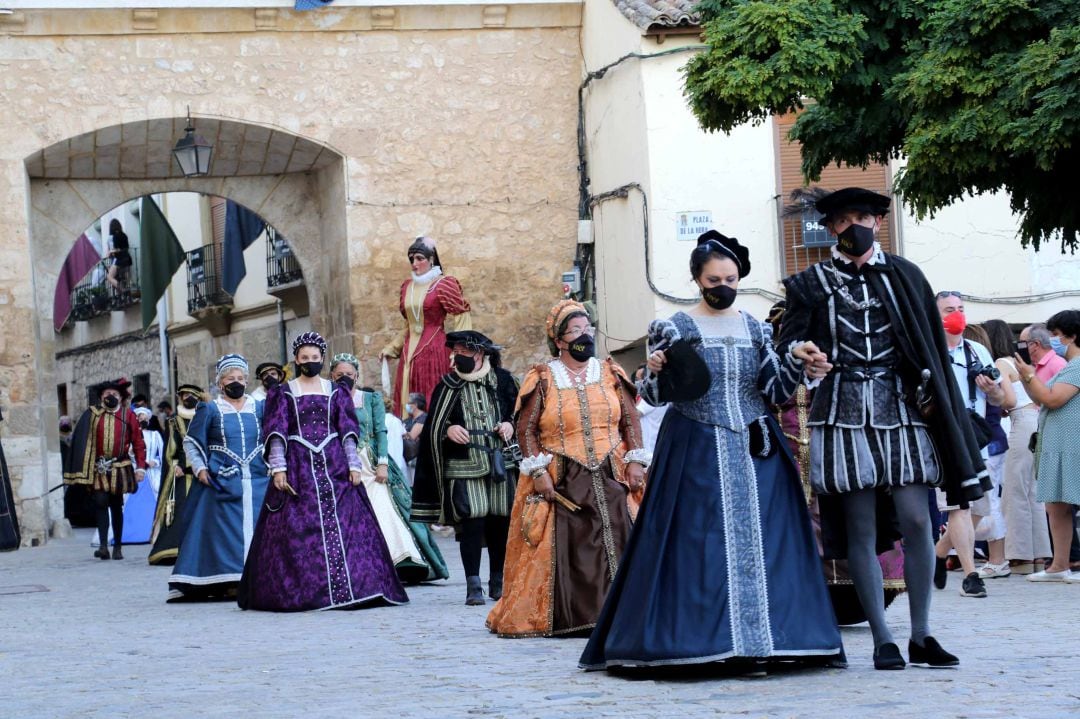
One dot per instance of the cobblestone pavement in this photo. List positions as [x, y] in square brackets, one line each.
[80, 637]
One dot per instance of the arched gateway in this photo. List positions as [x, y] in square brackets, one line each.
[295, 184]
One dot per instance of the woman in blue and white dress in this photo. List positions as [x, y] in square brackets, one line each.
[722, 564]
[225, 453]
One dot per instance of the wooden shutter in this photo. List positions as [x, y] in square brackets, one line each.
[795, 257]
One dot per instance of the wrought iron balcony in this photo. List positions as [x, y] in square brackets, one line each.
[282, 268]
[95, 296]
[204, 281]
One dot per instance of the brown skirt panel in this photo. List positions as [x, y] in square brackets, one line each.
[588, 544]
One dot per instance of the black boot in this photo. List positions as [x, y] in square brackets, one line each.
[930, 653]
[474, 594]
[887, 656]
[101, 553]
[116, 553]
[495, 582]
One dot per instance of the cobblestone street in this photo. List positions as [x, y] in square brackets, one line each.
[84, 638]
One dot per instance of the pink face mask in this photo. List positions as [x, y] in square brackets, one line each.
[955, 323]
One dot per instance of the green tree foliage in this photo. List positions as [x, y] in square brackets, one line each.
[977, 95]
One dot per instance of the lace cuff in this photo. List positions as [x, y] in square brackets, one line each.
[275, 457]
[351, 454]
[533, 464]
[640, 456]
[382, 460]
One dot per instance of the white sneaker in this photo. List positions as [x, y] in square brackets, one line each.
[1045, 576]
[1073, 578]
[994, 571]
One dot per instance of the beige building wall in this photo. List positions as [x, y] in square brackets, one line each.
[455, 122]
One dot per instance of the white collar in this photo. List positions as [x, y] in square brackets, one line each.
[878, 258]
[564, 379]
[428, 276]
[477, 374]
[249, 404]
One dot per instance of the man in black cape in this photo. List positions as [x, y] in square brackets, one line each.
[886, 420]
[463, 476]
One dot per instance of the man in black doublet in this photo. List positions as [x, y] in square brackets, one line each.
[878, 334]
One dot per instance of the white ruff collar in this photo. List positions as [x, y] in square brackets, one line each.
[477, 374]
[427, 276]
[185, 412]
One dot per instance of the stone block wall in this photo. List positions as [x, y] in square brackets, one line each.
[448, 122]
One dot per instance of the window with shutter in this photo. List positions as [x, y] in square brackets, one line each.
[801, 244]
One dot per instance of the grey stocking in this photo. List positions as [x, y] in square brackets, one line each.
[914, 517]
[860, 517]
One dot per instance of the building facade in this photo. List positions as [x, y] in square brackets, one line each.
[530, 138]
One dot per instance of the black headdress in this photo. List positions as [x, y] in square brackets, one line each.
[426, 247]
[268, 366]
[713, 241]
[829, 203]
[472, 339]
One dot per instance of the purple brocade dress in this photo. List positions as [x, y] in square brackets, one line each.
[321, 549]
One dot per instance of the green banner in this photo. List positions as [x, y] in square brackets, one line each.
[160, 256]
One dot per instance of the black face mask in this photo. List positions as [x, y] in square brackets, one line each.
[144, 424]
[234, 390]
[1024, 353]
[856, 240]
[189, 402]
[464, 364]
[718, 298]
[112, 401]
[270, 381]
[348, 381]
[582, 348]
[309, 369]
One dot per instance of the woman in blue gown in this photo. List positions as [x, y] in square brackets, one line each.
[225, 453]
[722, 564]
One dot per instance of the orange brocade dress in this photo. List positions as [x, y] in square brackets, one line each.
[560, 564]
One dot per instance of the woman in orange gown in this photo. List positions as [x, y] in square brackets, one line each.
[580, 485]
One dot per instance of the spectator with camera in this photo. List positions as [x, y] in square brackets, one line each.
[979, 382]
[465, 472]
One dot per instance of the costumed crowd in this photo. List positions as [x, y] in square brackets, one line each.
[751, 487]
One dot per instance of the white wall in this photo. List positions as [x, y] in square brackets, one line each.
[973, 247]
[732, 176]
[617, 154]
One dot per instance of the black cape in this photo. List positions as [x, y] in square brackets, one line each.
[913, 312]
[435, 449]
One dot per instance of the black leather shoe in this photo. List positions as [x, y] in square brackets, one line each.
[887, 656]
[941, 573]
[102, 553]
[930, 653]
[116, 553]
[495, 586]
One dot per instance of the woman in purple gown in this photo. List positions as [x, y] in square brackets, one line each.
[317, 544]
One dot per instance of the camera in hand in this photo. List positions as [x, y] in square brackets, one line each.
[989, 371]
[512, 452]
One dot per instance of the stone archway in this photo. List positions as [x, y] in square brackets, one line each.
[297, 185]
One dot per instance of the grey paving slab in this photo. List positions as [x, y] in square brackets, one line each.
[80, 637]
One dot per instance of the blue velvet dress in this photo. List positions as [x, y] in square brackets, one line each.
[722, 562]
[219, 519]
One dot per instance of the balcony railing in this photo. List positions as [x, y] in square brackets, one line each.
[95, 296]
[282, 267]
[204, 280]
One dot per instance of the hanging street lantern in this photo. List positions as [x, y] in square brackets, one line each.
[193, 152]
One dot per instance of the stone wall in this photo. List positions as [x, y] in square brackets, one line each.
[465, 134]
